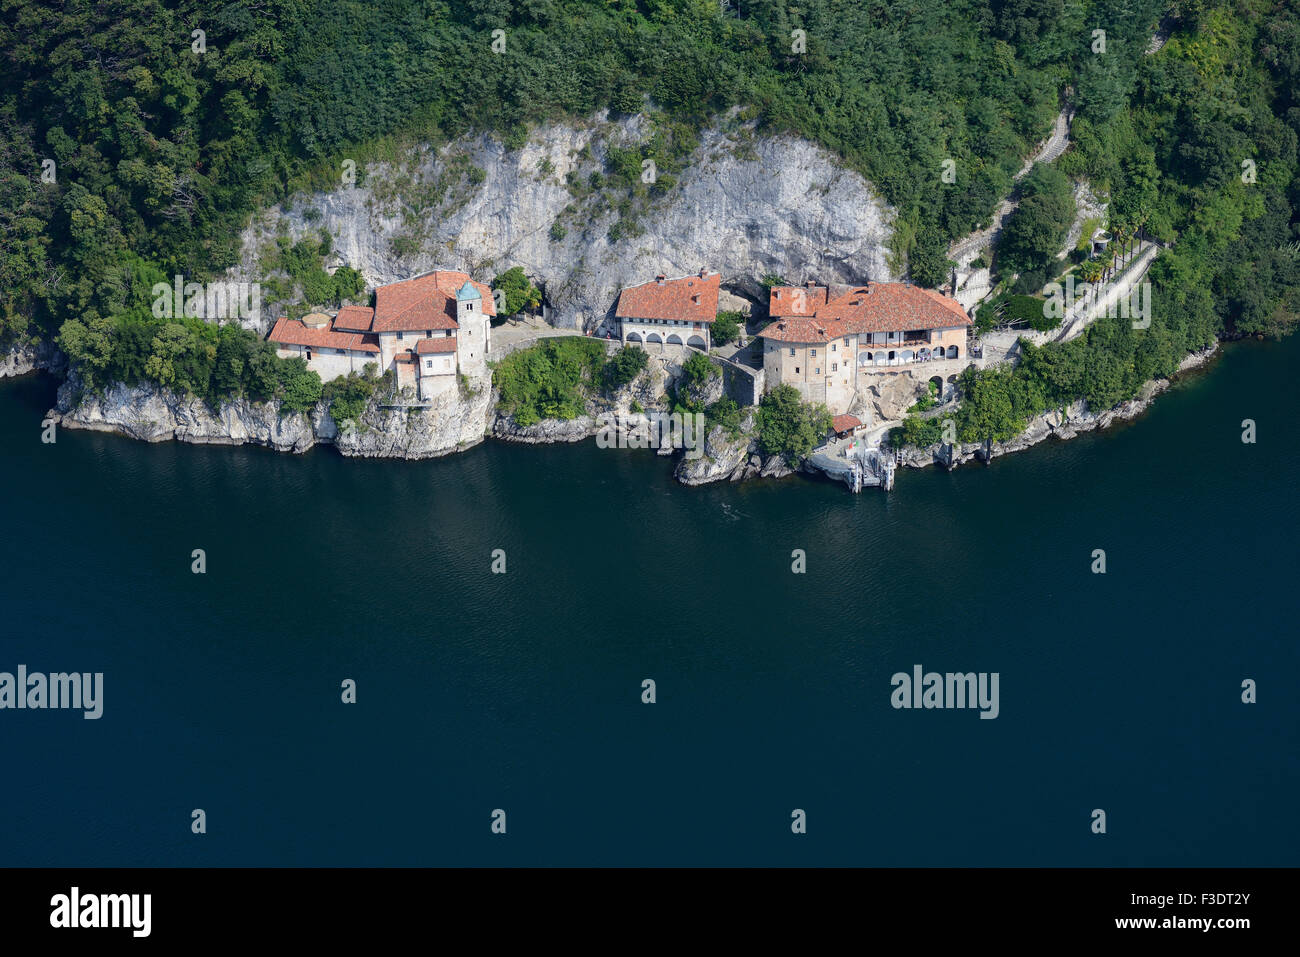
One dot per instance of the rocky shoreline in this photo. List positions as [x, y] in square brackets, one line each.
[40, 356]
[462, 418]
[1060, 424]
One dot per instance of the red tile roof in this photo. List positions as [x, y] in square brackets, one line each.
[356, 318]
[425, 302]
[693, 298]
[795, 300]
[842, 423]
[820, 314]
[292, 332]
[439, 344]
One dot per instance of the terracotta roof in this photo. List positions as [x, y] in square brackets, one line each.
[693, 298]
[439, 344]
[425, 302]
[795, 300]
[356, 318]
[842, 423]
[875, 307]
[292, 332]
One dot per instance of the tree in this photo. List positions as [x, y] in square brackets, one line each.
[624, 366]
[790, 427]
[1036, 231]
[726, 328]
[518, 293]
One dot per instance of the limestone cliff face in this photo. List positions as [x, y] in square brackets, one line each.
[745, 206]
[154, 414]
[147, 412]
[20, 360]
[456, 420]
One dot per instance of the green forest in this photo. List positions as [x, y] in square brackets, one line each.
[137, 136]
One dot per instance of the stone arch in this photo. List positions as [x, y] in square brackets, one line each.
[696, 342]
[952, 352]
[653, 337]
[952, 379]
[634, 337]
[674, 339]
[891, 355]
[905, 355]
[864, 358]
[937, 382]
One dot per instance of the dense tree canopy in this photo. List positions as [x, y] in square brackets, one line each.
[143, 131]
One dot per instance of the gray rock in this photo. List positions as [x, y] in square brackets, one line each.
[20, 360]
[747, 205]
[153, 414]
[724, 457]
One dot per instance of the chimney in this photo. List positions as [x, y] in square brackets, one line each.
[703, 272]
[811, 284]
[659, 279]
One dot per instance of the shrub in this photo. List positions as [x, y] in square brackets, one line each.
[624, 366]
[349, 396]
[726, 328]
[725, 413]
[551, 380]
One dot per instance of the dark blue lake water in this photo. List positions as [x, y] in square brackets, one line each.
[522, 691]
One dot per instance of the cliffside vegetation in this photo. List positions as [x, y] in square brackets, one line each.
[1199, 148]
[163, 139]
[788, 426]
[551, 380]
[183, 353]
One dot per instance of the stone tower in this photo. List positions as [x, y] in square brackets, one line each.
[475, 327]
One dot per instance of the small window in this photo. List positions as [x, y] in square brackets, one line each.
[814, 353]
[428, 363]
[817, 371]
[832, 347]
[791, 352]
[399, 337]
[796, 370]
[846, 340]
[340, 352]
[428, 333]
[835, 367]
[446, 334]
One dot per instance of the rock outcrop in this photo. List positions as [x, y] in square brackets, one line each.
[725, 457]
[455, 421]
[20, 360]
[745, 205]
